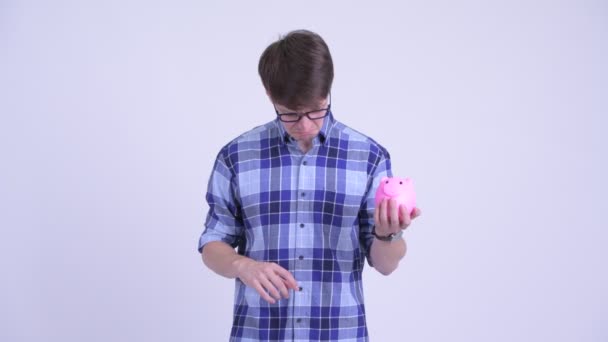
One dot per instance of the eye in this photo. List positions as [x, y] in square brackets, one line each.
[400, 182]
[386, 182]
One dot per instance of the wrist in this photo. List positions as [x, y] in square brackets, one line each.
[387, 237]
[239, 264]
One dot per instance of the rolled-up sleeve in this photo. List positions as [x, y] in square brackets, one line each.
[224, 220]
[366, 213]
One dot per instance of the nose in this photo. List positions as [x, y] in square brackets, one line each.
[304, 121]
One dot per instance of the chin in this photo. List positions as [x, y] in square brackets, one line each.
[300, 136]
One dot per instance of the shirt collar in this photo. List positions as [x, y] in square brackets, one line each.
[328, 123]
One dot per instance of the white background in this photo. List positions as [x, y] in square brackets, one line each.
[112, 113]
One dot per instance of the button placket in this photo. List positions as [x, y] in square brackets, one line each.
[303, 237]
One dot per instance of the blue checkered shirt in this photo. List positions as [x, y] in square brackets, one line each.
[311, 213]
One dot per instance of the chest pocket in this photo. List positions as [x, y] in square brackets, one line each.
[339, 197]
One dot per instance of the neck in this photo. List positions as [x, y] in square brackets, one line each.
[305, 146]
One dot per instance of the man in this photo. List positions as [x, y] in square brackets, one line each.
[296, 197]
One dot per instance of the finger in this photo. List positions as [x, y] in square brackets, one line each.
[393, 210]
[289, 286]
[403, 214]
[287, 276]
[279, 284]
[408, 217]
[417, 212]
[258, 287]
[382, 216]
[267, 284]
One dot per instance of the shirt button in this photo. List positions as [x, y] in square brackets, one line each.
[305, 162]
[301, 225]
[300, 288]
[298, 320]
[303, 194]
[301, 257]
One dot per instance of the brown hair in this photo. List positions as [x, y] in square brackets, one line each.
[297, 70]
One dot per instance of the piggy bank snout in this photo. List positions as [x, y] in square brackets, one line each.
[390, 191]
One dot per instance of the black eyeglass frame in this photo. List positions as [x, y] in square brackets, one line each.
[307, 114]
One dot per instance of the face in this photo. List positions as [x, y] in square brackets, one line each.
[305, 129]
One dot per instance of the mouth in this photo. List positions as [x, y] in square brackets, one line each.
[304, 133]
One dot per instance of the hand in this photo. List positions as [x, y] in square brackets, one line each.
[269, 279]
[390, 218]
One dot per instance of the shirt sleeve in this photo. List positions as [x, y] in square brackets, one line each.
[224, 220]
[366, 213]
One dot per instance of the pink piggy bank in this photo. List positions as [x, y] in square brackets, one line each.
[401, 189]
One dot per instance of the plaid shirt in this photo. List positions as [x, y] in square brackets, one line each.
[310, 213]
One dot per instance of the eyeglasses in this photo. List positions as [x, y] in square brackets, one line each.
[312, 115]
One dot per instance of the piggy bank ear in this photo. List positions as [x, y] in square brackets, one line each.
[384, 179]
